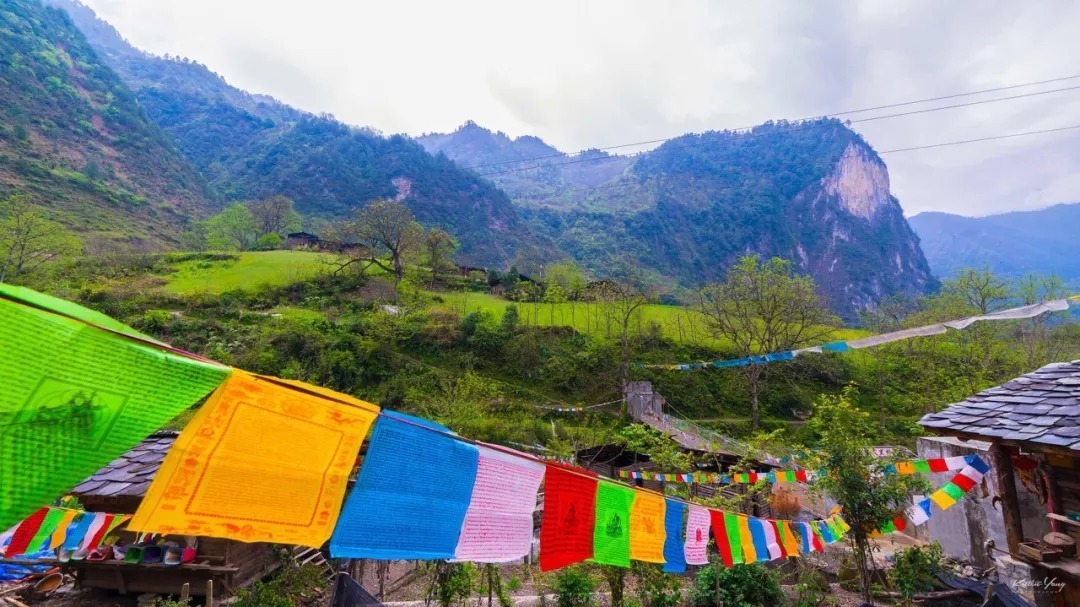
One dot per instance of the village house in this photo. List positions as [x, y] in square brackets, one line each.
[1028, 429]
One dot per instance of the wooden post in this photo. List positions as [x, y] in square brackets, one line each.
[1010, 506]
[185, 592]
[209, 593]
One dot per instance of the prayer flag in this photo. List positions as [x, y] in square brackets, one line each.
[806, 546]
[772, 539]
[978, 464]
[611, 536]
[77, 397]
[411, 495]
[825, 532]
[43, 538]
[788, 538]
[922, 466]
[953, 491]
[760, 539]
[25, 532]
[746, 538]
[102, 524]
[60, 534]
[938, 464]
[963, 482]
[566, 532]
[647, 530]
[800, 475]
[499, 522]
[816, 544]
[675, 560]
[956, 463]
[78, 534]
[719, 530]
[697, 536]
[731, 526]
[263, 460]
[906, 468]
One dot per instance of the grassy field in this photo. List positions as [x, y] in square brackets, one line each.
[675, 322]
[250, 270]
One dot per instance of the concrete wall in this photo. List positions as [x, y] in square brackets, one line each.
[963, 529]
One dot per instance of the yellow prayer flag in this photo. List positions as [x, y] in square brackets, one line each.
[264, 460]
[747, 540]
[647, 533]
[942, 499]
[60, 534]
[788, 538]
[905, 468]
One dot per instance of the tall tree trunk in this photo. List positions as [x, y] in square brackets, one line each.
[753, 376]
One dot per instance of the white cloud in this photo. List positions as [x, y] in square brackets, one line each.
[606, 72]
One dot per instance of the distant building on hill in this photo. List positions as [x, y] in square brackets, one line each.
[301, 240]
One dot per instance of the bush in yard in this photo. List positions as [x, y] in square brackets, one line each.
[740, 586]
[574, 587]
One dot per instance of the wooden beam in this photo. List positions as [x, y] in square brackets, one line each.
[1010, 505]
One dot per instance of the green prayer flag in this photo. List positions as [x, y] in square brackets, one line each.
[45, 531]
[922, 466]
[953, 491]
[67, 308]
[790, 476]
[611, 537]
[888, 527]
[731, 525]
[76, 397]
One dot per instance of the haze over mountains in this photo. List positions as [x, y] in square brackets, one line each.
[1011, 244]
[188, 142]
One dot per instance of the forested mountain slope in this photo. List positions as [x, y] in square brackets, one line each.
[74, 138]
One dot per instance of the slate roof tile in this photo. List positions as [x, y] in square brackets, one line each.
[131, 473]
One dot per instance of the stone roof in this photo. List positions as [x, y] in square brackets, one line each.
[1042, 407]
[130, 474]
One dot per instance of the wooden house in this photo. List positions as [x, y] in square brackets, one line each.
[119, 488]
[1029, 428]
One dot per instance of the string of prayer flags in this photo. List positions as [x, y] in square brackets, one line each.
[50, 528]
[42, 538]
[611, 536]
[396, 511]
[647, 528]
[24, 533]
[695, 545]
[566, 530]
[77, 396]
[499, 521]
[713, 478]
[972, 469]
[263, 460]
[674, 557]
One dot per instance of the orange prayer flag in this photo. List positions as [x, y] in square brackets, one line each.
[647, 533]
[264, 460]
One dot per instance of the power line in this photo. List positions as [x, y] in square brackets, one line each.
[833, 114]
[892, 151]
[796, 127]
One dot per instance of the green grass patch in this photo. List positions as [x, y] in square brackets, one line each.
[248, 271]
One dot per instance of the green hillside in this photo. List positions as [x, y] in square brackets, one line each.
[75, 139]
[244, 271]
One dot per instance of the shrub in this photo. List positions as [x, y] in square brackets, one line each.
[915, 569]
[740, 586]
[654, 588]
[574, 587]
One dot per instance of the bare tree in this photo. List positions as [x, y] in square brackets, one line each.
[382, 229]
[274, 215]
[762, 308]
[620, 302]
[28, 239]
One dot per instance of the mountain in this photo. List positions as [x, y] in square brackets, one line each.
[1011, 244]
[814, 192]
[249, 146]
[74, 137]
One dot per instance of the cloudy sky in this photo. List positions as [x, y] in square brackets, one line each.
[599, 73]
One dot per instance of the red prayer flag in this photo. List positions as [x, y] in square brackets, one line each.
[566, 531]
[900, 523]
[753, 477]
[800, 475]
[719, 530]
[815, 539]
[20, 540]
[779, 538]
[965, 483]
[938, 464]
[100, 535]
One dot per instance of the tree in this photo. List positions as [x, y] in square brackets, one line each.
[761, 308]
[383, 229]
[234, 228]
[620, 302]
[275, 215]
[29, 240]
[439, 246]
[854, 478]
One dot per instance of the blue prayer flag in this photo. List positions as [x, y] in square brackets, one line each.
[673, 545]
[761, 543]
[411, 495]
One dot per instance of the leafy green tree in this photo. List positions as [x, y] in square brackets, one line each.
[854, 478]
[269, 242]
[29, 240]
[233, 229]
[275, 215]
[439, 247]
[553, 296]
[764, 307]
